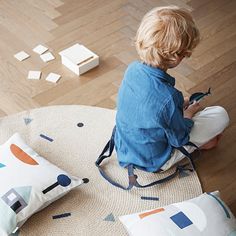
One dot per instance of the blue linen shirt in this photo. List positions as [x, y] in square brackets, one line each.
[149, 119]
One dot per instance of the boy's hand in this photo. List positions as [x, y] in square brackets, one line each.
[191, 110]
[186, 102]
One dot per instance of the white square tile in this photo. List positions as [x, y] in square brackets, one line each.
[21, 55]
[11, 197]
[52, 77]
[47, 57]
[34, 74]
[40, 49]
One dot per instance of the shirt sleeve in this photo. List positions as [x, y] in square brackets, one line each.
[177, 127]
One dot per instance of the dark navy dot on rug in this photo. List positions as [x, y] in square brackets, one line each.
[80, 124]
[85, 180]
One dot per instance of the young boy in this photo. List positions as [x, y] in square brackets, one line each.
[152, 119]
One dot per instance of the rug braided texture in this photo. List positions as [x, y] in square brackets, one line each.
[79, 134]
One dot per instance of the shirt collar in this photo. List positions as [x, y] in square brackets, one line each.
[160, 74]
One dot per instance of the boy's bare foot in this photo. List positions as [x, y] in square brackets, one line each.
[212, 143]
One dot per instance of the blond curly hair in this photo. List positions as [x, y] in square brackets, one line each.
[165, 35]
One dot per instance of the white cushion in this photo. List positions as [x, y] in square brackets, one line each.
[203, 216]
[28, 183]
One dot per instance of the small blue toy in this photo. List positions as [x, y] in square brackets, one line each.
[198, 96]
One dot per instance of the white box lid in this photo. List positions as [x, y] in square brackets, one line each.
[77, 54]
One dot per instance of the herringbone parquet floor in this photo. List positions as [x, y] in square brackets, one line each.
[108, 27]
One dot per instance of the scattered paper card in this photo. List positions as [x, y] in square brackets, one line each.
[21, 56]
[47, 57]
[52, 77]
[40, 49]
[34, 74]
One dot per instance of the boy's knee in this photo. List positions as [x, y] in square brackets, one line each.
[221, 116]
[209, 123]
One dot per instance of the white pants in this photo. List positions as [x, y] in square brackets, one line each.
[208, 123]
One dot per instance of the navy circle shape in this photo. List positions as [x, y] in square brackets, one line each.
[63, 180]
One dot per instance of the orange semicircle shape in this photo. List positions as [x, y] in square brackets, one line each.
[22, 156]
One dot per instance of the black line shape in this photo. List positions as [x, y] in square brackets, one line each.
[150, 198]
[61, 215]
[46, 137]
[62, 180]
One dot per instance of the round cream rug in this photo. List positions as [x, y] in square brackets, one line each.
[79, 134]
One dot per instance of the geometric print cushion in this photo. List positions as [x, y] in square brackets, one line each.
[202, 216]
[28, 183]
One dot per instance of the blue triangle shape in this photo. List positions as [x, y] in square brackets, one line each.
[2, 165]
[110, 217]
[183, 174]
[27, 120]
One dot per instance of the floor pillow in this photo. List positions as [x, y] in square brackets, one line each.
[201, 216]
[29, 183]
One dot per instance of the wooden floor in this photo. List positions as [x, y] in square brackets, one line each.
[108, 27]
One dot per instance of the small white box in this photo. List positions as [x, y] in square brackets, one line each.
[79, 59]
